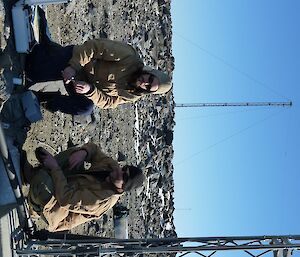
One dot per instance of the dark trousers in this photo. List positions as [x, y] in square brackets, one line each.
[46, 63]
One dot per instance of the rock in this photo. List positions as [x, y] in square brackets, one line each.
[121, 157]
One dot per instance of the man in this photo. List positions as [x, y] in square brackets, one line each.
[103, 72]
[66, 195]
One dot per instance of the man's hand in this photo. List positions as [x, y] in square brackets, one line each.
[76, 159]
[48, 160]
[68, 74]
[81, 87]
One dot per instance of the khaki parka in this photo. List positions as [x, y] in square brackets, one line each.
[77, 198]
[109, 66]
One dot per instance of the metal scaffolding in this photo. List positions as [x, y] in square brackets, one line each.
[74, 245]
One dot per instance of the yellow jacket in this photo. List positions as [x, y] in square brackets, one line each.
[79, 198]
[109, 66]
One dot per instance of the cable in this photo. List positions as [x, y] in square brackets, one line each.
[227, 138]
[231, 66]
[221, 114]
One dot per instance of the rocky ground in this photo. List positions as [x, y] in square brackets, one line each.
[138, 134]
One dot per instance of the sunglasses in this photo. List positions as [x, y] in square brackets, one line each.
[148, 84]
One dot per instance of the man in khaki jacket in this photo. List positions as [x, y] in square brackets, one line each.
[100, 71]
[66, 195]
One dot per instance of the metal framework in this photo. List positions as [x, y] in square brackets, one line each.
[22, 208]
[280, 104]
[69, 245]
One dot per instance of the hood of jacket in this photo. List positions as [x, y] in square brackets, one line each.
[164, 80]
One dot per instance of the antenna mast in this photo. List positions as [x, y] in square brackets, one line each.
[280, 104]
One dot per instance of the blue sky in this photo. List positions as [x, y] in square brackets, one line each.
[237, 170]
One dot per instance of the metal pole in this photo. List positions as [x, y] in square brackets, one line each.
[22, 210]
[281, 104]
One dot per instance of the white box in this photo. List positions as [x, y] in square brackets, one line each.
[21, 14]
[21, 24]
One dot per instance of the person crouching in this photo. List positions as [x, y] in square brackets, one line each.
[66, 195]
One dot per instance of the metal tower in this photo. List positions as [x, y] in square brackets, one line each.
[282, 104]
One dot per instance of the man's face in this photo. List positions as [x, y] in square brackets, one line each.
[119, 176]
[147, 82]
